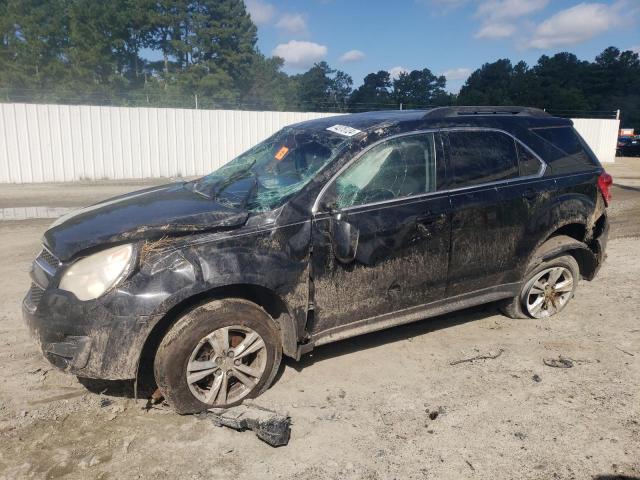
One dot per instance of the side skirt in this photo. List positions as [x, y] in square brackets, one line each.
[412, 314]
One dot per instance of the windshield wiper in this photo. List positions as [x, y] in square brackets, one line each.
[218, 189]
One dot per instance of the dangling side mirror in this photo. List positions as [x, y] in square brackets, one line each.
[344, 237]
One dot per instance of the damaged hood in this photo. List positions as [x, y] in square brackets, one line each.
[146, 214]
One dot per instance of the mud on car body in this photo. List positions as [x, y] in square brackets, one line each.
[328, 229]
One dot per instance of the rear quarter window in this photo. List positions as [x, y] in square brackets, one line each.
[564, 150]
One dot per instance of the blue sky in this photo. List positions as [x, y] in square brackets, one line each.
[450, 37]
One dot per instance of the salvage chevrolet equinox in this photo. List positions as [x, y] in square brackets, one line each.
[328, 229]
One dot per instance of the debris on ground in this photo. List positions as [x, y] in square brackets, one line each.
[433, 414]
[489, 356]
[536, 378]
[624, 351]
[269, 426]
[560, 362]
[155, 398]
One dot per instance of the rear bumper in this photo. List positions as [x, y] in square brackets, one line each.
[600, 246]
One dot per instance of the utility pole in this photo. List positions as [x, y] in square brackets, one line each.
[400, 105]
[196, 101]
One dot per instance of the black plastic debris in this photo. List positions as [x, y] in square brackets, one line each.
[560, 362]
[269, 426]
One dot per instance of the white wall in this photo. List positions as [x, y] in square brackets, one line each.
[59, 143]
[601, 135]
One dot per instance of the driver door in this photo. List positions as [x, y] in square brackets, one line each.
[381, 236]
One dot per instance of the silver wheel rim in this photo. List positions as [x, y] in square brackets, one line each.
[226, 365]
[549, 292]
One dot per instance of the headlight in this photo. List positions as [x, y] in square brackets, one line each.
[90, 277]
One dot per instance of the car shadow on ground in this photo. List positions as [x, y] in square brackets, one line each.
[615, 477]
[389, 335]
[146, 385]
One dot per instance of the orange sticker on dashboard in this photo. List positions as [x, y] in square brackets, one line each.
[280, 154]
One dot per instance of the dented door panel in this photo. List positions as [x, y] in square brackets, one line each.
[400, 261]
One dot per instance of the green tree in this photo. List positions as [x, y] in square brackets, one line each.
[420, 88]
[374, 93]
[489, 85]
[322, 88]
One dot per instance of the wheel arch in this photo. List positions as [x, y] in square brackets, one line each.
[558, 243]
[265, 298]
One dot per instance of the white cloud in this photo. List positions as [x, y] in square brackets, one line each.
[442, 6]
[261, 12]
[352, 56]
[496, 10]
[500, 18]
[293, 23]
[396, 71]
[635, 49]
[576, 25]
[457, 73]
[300, 54]
[496, 30]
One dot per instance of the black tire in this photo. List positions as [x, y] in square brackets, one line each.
[174, 353]
[516, 307]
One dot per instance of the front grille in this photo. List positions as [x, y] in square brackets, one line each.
[47, 257]
[35, 295]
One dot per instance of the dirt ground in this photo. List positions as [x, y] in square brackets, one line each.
[361, 408]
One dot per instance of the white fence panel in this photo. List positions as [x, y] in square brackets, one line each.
[61, 143]
[601, 135]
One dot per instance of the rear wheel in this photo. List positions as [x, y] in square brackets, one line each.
[546, 290]
[217, 355]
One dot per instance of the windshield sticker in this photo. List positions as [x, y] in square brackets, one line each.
[280, 154]
[344, 130]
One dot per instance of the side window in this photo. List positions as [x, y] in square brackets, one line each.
[563, 138]
[565, 151]
[481, 157]
[529, 163]
[398, 168]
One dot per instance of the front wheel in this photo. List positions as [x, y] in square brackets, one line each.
[546, 290]
[217, 355]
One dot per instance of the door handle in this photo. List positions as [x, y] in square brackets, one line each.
[430, 218]
[529, 194]
[424, 222]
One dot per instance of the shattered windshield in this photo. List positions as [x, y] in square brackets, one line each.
[265, 176]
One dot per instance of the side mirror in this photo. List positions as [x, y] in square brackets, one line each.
[344, 237]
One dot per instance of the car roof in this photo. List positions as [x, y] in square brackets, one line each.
[439, 117]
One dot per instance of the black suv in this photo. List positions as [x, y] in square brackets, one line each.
[328, 229]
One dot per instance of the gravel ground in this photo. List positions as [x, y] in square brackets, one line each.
[384, 405]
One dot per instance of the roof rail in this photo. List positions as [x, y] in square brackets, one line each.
[444, 112]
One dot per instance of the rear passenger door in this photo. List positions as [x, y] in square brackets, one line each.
[479, 161]
[521, 201]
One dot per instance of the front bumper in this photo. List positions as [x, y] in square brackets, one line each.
[84, 338]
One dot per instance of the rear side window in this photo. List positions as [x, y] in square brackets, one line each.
[481, 157]
[566, 152]
[529, 163]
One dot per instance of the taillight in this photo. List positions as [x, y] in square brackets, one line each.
[604, 184]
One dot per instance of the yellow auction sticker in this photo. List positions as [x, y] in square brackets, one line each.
[280, 154]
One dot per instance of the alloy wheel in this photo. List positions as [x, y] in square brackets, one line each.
[226, 365]
[549, 292]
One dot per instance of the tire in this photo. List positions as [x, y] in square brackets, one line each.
[524, 305]
[194, 364]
